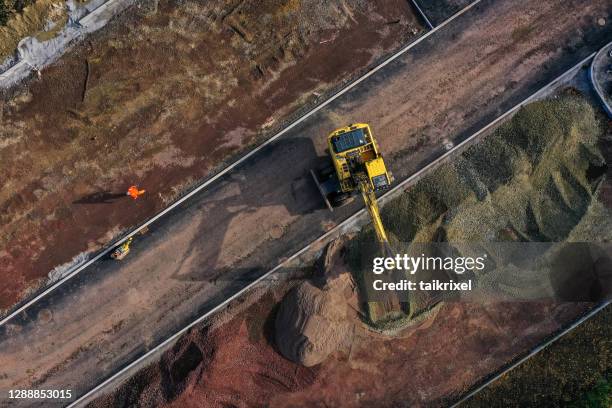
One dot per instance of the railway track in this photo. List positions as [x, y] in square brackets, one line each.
[76, 269]
[531, 353]
[350, 224]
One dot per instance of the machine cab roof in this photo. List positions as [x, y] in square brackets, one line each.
[348, 140]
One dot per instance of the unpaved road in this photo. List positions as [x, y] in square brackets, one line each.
[444, 88]
[162, 99]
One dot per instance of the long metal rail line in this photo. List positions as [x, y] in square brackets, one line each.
[83, 265]
[600, 92]
[328, 236]
[531, 353]
[422, 13]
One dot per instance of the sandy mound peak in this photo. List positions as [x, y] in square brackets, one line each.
[314, 320]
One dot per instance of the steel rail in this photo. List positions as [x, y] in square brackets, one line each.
[532, 353]
[80, 267]
[423, 15]
[353, 219]
[596, 85]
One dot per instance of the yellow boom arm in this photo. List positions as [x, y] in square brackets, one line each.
[370, 202]
[358, 166]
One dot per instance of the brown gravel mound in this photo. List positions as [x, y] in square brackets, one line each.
[311, 324]
[313, 321]
[233, 365]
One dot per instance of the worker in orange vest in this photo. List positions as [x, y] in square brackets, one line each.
[134, 192]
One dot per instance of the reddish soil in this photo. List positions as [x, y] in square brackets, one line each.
[236, 364]
[472, 71]
[161, 99]
[244, 371]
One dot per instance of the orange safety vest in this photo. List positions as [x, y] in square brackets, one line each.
[134, 192]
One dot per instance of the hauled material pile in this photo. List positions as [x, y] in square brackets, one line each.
[315, 320]
[536, 179]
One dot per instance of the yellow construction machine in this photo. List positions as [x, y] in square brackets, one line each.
[122, 250]
[356, 166]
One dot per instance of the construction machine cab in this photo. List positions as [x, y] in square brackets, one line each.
[356, 158]
[356, 166]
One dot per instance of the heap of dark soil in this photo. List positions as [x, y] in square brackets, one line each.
[231, 365]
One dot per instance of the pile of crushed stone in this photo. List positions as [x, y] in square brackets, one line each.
[535, 179]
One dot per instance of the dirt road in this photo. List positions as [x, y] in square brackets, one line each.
[161, 98]
[441, 90]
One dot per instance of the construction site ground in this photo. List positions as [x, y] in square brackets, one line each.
[267, 208]
[563, 374]
[237, 363]
[232, 359]
[162, 98]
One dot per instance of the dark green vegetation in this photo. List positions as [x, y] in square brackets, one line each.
[10, 7]
[535, 179]
[600, 396]
[4, 13]
[574, 372]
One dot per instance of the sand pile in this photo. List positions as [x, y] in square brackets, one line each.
[236, 363]
[535, 179]
[315, 319]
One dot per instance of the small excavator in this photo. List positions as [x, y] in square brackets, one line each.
[122, 250]
[356, 166]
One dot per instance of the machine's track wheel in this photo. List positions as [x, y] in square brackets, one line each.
[325, 171]
[340, 199]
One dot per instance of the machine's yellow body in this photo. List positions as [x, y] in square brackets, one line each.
[358, 167]
[122, 250]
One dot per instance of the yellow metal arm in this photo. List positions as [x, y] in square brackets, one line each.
[370, 202]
